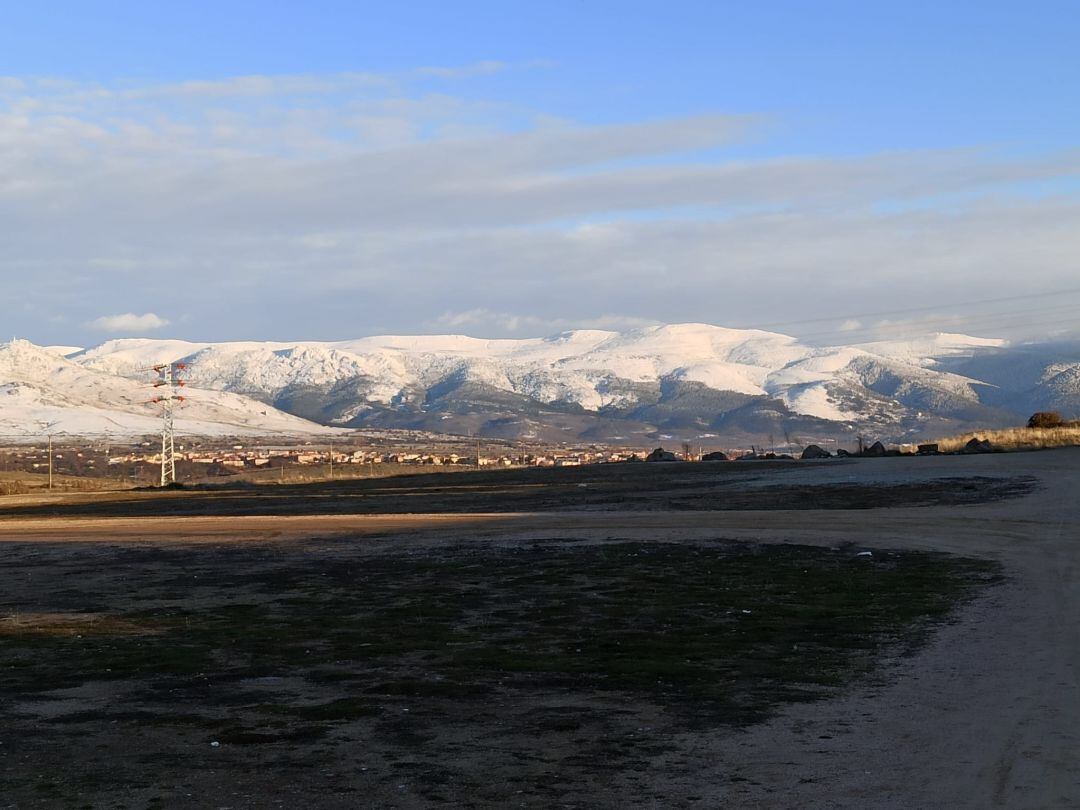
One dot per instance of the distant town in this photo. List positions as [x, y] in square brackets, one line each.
[374, 453]
[379, 454]
[239, 456]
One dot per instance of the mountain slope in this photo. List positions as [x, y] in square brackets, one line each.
[681, 380]
[689, 378]
[41, 389]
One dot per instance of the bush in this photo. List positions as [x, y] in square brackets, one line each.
[1045, 419]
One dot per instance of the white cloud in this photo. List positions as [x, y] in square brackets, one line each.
[129, 322]
[488, 322]
[485, 68]
[73, 93]
[341, 204]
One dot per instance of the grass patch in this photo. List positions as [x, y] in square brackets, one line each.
[441, 664]
[732, 630]
[69, 624]
[342, 709]
[244, 736]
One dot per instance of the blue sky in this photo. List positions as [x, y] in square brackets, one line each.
[848, 75]
[328, 170]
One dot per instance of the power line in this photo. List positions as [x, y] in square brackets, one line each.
[1004, 320]
[912, 310]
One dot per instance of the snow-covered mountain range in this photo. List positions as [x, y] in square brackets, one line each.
[683, 380]
[42, 391]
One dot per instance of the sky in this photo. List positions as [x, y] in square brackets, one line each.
[257, 171]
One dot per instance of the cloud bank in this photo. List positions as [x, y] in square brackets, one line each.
[129, 322]
[330, 206]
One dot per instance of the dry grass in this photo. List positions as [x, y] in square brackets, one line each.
[314, 473]
[69, 624]
[23, 483]
[1021, 438]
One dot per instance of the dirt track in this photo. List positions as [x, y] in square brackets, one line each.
[988, 715]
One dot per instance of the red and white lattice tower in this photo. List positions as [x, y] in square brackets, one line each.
[170, 378]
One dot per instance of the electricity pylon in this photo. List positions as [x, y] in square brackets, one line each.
[170, 377]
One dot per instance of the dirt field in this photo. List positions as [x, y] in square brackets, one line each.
[611, 487]
[697, 635]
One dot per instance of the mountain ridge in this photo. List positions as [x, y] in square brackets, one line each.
[42, 389]
[687, 380]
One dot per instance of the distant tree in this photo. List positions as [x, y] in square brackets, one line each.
[1045, 419]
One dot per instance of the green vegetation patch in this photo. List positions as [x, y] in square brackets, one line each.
[723, 631]
[469, 673]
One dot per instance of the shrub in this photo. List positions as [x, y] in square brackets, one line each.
[1021, 438]
[1045, 419]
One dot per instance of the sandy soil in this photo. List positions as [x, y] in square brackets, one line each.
[986, 715]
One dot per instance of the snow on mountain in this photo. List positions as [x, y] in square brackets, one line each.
[63, 351]
[1060, 389]
[132, 357]
[39, 386]
[590, 369]
[723, 359]
[677, 376]
[931, 348]
[815, 399]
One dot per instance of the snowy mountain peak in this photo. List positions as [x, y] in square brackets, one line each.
[23, 360]
[932, 347]
[676, 375]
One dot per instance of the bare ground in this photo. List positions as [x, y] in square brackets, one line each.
[986, 714]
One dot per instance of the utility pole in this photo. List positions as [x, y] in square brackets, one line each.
[331, 459]
[47, 428]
